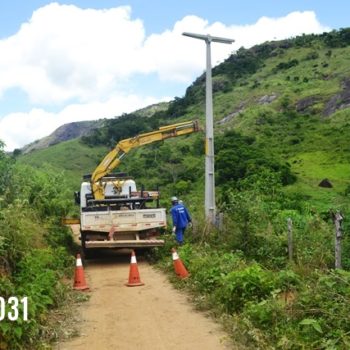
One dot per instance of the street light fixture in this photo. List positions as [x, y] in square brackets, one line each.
[210, 210]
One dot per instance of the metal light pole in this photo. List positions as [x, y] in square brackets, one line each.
[210, 213]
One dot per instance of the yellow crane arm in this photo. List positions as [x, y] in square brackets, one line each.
[113, 158]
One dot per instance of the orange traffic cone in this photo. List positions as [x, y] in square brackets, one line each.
[79, 278]
[180, 269]
[134, 276]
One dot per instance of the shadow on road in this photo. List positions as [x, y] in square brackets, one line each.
[112, 256]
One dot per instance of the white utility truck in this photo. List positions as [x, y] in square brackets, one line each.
[113, 213]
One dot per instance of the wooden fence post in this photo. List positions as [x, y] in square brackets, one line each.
[290, 239]
[338, 236]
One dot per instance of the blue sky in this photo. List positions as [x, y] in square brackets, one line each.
[159, 15]
[62, 63]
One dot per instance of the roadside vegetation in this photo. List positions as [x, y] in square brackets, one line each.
[282, 125]
[34, 250]
[243, 276]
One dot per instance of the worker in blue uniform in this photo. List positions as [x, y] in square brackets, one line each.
[181, 219]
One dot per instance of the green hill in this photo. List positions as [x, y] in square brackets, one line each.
[73, 157]
[292, 96]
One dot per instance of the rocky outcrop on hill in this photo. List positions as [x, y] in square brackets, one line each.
[64, 133]
[75, 130]
[338, 101]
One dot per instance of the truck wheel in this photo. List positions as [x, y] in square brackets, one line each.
[86, 252]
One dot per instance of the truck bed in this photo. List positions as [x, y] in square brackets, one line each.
[123, 220]
[132, 228]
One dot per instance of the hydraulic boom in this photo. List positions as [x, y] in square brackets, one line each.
[113, 158]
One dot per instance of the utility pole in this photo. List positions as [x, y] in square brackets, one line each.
[210, 210]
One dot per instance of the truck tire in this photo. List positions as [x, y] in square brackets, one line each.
[86, 252]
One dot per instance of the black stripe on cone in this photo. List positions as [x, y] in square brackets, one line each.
[79, 278]
[134, 276]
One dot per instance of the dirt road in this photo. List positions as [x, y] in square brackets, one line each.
[154, 316]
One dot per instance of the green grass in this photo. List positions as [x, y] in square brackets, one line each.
[74, 157]
[312, 168]
[315, 166]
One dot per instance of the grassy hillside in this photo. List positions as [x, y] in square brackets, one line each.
[73, 157]
[287, 111]
[291, 96]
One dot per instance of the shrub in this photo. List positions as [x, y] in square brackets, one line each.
[312, 55]
[209, 269]
[286, 65]
[347, 191]
[239, 157]
[21, 230]
[322, 310]
[182, 187]
[38, 276]
[239, 287]
[5, 169]
[267, 314]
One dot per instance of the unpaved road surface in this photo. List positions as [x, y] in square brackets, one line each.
[154, 316]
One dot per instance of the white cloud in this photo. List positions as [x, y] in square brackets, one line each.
[64, 53]
[176, 57]
[19, 129]
[16, 129]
